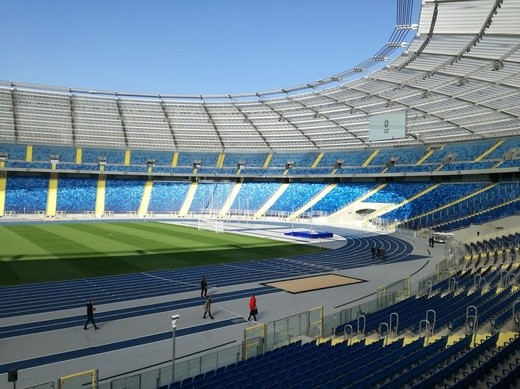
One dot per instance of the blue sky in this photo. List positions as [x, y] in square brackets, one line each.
[188, 46]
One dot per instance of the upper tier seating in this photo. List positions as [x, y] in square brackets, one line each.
[465, 151]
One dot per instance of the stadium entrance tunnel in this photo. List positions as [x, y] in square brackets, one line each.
[365, 212]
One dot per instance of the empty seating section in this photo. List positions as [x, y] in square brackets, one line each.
[467, 151]
[76, 195]
[250, 160]
[97, 123]
[397, 192]
[205, 159]
[264, 172]
[387, 361]
[43, 153]
[400, 155]
[113, 156]
[509, 145]
[360, 170]
[210, 195]
[485, 217]
[405, 158]
[42, 118]
[295, 196]
[511, 163]
[216, 171]
[469, 165]
[310, 171]
[485, 206]
[427, 167]
[172, 170]
[123, 195]
[14, 152]
[442, 195]
[28, 165]
[297, 159]
[126, 169]
[253, 195]
[342, 195]
[141, 157]
[74, 166]
[167, 196]
[348, 158]
[26, 194]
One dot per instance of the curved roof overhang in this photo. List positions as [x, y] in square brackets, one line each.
[458, 79]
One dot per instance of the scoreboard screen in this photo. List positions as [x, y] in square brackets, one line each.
[387, 126]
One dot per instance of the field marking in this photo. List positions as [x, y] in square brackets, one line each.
[168, 280]
[231, 312]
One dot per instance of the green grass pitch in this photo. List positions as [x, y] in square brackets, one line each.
[51, 252]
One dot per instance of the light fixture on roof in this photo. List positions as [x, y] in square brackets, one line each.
[425, 94]
[462, 81]
[497, 65]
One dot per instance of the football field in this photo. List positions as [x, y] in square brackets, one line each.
[50, 252]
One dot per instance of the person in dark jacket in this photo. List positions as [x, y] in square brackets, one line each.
[203, 287]
[90, 315]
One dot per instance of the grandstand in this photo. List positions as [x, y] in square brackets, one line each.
[266, 163]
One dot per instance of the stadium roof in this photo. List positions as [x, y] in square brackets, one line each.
[458, 79]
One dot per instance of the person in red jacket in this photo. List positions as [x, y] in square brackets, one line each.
[253, 310]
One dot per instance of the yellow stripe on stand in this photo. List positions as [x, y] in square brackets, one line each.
[145, 199]
[128, 154]
[188, 199]
[79, 156]
[52, 195]
[232, 196]
[100, 196]
[487, 152]
[313, 201]
[220, 160]
[426, 156]
[369, 159]
[267, 161]
[271, 201]
[28, 153]
[175, 159]
[3, 186]
[317, 161]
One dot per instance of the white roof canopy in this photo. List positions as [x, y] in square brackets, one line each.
[458, 79]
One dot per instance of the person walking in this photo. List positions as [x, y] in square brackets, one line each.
[90, 315]
[207, 308]
[253, 310]
[203, 287]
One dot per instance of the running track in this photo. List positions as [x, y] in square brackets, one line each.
[47, 297]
